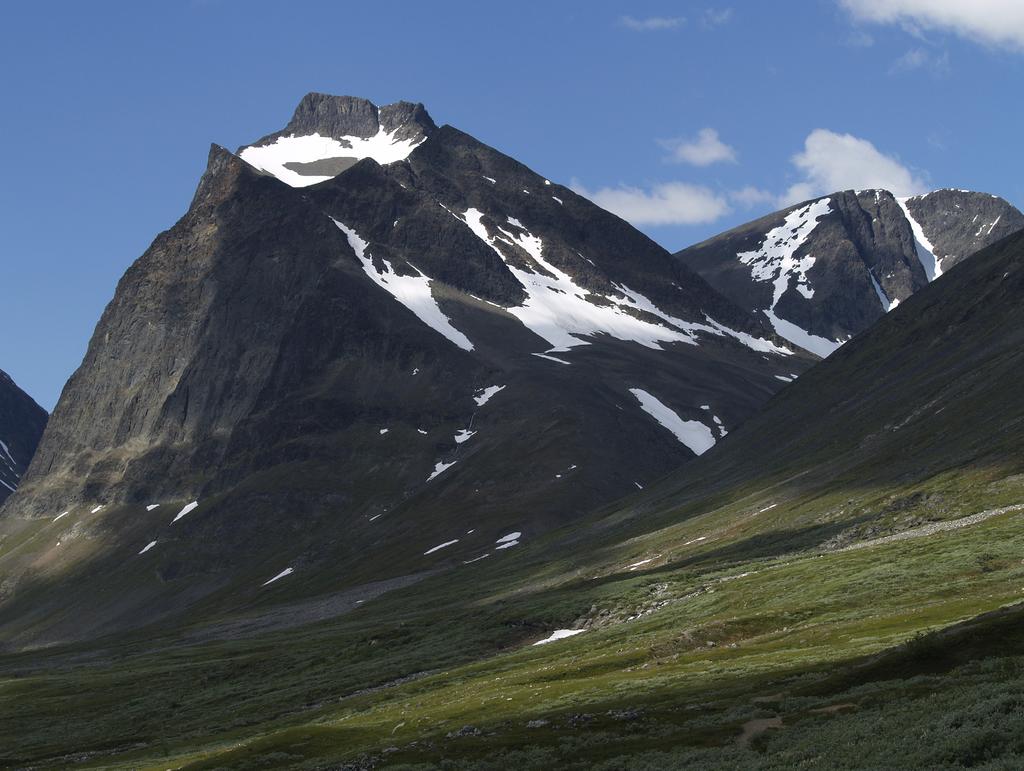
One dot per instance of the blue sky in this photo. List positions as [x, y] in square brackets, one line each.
[688, 118]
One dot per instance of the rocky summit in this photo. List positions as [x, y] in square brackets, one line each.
[824, 270]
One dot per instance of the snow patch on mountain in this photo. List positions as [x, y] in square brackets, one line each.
[552, 358]
[411, 291]
[694, 434]
[185, 510]
[484, 394]
[560, 634]
[8, 459]
[9, 475]
[282, 574]
[439, 468]
[440, 546]
[887, 304]
[990, 225]
[775, 261]
[925, 251]
[713, 327]
[562, 312]
[274, 158]
[635, 565]
[722, 430]
[821, 346]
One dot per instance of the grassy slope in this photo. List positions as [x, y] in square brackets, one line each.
[795, 622]
[901, 427]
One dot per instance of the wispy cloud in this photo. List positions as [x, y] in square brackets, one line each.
[652, 23]
[715, 17]
[922, 59]
[669, 203]
[936, 140]
[997, 23]
[703, 150]
[913, 59]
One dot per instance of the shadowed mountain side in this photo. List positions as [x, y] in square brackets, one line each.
[21, 425]
[364, 378]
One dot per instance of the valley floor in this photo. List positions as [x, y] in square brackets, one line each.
[722, 640]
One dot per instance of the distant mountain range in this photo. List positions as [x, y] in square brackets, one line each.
[823, 271]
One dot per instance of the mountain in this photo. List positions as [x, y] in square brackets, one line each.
[824, 270]
[372, 347]
[845, 564]
[21, 424]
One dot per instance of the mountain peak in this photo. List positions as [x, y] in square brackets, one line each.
[346, 116]
[327, 134]
[825, 269]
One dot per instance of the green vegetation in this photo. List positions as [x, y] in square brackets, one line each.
[718, 643]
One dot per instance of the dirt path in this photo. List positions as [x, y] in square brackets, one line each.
[754, 728]
[934, 527]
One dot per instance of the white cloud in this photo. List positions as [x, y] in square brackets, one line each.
[991, 22]
[670, 203]
[703, 150]
[913, 59]
[716, 17]
[920, 59]
[652, 23]
[831, 162]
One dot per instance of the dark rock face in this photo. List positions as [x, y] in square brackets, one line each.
[960, 222]
[200, 319]
[347, 116]
[21, 424]
[864, 241]
[308, 364]
[856, 261]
